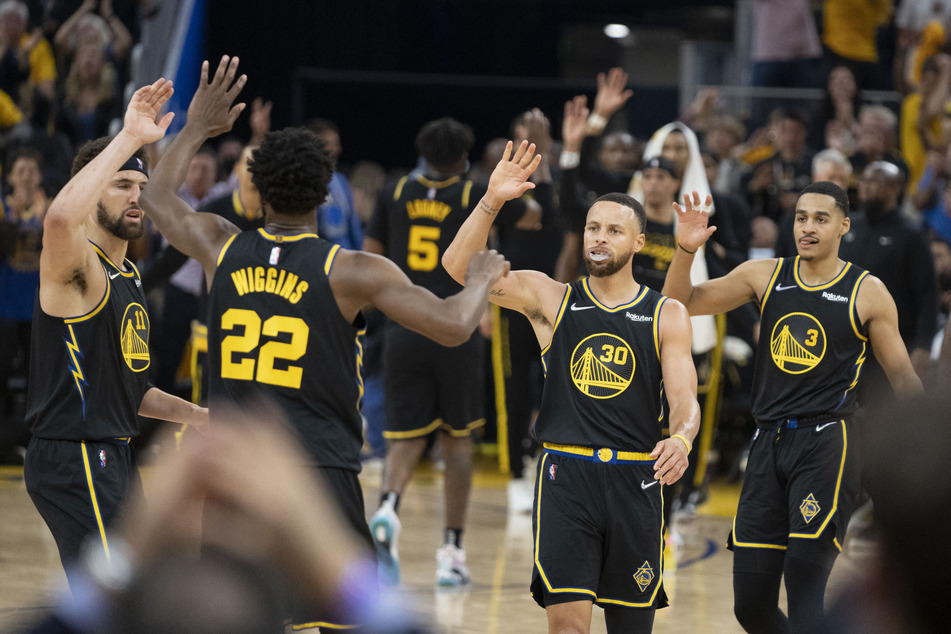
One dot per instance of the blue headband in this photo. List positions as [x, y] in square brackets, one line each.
[136, 164]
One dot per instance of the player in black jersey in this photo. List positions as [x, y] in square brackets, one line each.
[285, 306]
[88, 379]
[428, 387]
[818, 315]
[611, 348]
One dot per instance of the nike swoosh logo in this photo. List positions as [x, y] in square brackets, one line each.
[784, 288]
[114, 276]
[575, 307]
[645, 485]
[823, 426]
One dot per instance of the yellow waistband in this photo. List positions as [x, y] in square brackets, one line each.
[603, 455]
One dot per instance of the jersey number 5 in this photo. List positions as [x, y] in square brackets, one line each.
[423, 253]
[263, 369]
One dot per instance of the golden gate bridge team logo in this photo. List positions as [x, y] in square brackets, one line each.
[602, 365]
[797, 343]
[134, 342]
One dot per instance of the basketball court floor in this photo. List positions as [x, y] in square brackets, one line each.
[498, 544]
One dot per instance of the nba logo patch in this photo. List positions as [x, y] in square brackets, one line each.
[551, 471]
[102, 458]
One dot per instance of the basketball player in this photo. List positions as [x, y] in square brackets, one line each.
[611, 347]
[90, 356]
[285, 306]
[819, 315]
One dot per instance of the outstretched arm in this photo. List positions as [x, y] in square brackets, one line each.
[877, 310]
[520, 289]
[680, 386]
[211, 112]
[742, 284]
[66, 255]
[361, 279]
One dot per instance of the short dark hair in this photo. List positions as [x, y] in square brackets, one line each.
[291, 171]
[627, 201]
[444, 141]
[826, 188]
[91, 149]
[28, 152]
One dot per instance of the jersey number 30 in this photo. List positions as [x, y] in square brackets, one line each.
[263, 369]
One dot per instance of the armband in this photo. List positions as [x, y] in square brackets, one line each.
[569, 160]
[597, 122]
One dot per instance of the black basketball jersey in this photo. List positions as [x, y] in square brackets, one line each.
[274, 329]
[603, 381]
[416, 220]
[88, 374]
[811, 346]
[650, 264]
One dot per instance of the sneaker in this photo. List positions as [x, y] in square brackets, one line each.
[521, 495]
[385, 528]
[451, 567]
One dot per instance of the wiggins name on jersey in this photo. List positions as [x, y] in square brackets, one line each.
[275, 329]
[603, 381]
[811, 347]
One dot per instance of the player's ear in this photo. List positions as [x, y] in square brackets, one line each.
[846, 225]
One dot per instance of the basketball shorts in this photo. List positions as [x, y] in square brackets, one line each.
[598, 532]
[428, 386]
[800, 483]
[78, 487]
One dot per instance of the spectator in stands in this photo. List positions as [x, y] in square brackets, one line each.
[773, 185]
[921, 114]
[876, 140]
[337, 220]
[27, 58]
[89, 99]
[87, 27]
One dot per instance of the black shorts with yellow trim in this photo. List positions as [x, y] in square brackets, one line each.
[428, 386]
[78, 487]
[598, 528]
[344, 485]
[801, 482]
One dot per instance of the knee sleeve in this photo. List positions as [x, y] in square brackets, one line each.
[618, 619]
[756, 577]
[805, 590]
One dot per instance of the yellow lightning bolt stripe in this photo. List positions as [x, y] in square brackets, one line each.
[77, 371]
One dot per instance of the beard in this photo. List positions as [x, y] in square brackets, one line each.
[607, 267]
[117, 226]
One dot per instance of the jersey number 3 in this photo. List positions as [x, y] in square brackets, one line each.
[263, 369]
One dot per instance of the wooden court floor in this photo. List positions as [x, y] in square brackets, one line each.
[498, 544]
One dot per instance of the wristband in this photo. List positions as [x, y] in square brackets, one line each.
[685, 250]
[569, 160]
[597, 122]
[686, 442]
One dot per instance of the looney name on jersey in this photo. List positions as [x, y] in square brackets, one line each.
[258, 279]
[422, 208]
[634, 317]
[832, 297]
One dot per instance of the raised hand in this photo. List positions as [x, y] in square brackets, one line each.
[211, 107]
[260, 119]
[538, 131]
[692, 218]
[611, 92]
[575, 123]
[142, 116]
[509, 179]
